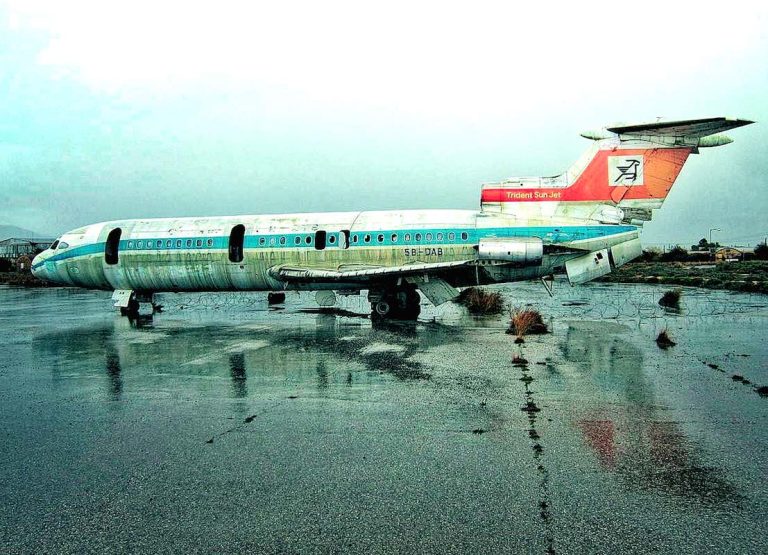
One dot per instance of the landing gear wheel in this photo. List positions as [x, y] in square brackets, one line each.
[383, 309]
[400, 304]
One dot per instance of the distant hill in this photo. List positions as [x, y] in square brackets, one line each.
[8, 231]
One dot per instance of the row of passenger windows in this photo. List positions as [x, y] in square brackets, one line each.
[367, 238]
[189, 243]
[407, 237]
[236, 242]
[298, 240]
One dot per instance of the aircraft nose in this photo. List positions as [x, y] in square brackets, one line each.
[38, 267]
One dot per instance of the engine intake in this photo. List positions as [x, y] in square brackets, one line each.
[522, 251]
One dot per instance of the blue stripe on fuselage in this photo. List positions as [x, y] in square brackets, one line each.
[549, 234]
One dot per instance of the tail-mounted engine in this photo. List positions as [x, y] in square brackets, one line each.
[520, 251]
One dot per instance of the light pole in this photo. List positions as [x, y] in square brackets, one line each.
[711, 248]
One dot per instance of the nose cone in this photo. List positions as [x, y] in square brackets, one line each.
[38, 267]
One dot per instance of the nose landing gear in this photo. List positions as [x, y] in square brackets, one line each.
[136, 304]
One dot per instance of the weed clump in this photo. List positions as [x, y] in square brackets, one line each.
[481, 302]
[671, 299]
[524, 321]
[518, 360]
[664, 341]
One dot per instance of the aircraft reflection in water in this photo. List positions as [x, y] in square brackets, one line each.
[134, 358]
[614, 407]
[631, 437]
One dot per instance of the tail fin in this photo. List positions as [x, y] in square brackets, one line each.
[627, 173]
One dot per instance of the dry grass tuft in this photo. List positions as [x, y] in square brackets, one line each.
[519, 360]
[479, 302]
[664, 341]
[671, 299]
[524, 321]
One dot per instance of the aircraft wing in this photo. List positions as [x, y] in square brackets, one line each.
[693, 128]
[362, 274]
[426, 275]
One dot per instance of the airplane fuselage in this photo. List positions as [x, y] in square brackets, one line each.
[236, 253]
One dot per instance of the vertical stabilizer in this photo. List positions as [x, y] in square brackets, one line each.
[627, 173]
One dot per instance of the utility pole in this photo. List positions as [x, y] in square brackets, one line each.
[711, 248]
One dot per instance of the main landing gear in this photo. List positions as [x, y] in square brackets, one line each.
[400, 303]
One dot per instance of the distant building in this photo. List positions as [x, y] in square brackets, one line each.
[732, 254]
[15, 247]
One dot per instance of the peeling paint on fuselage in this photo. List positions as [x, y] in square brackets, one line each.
[192, 254]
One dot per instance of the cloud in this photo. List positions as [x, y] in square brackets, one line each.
[422, 57]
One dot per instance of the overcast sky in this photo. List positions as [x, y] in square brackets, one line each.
[147, 109]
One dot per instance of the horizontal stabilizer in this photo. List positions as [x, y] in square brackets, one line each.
[692, 128]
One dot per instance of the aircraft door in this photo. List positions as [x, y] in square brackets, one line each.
[243, 272]
[112, 247]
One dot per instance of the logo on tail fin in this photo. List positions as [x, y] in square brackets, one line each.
[625, 170]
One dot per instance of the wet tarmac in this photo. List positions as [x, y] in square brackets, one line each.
[225, 426]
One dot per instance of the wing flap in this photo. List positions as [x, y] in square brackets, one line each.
[437, 290]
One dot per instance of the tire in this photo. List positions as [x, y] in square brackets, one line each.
[383, 308]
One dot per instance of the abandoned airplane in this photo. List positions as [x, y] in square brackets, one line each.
[584, 222]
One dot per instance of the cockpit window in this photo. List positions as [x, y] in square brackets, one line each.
[63, 245]
[54, 245]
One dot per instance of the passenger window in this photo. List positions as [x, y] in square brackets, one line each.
[464, 236]
[282, 240]
[112, 246]
[394, 237]
[320, 239]
[354, 238]
[178, 243]
[308, 240]
[439, 236]
[209, 242]
[271, 240]
[332, 239]
[139, 244]
[199, 243]
[418, 236]
[367, 239]
[262, 241]
[168, 244]
[451, 236]
[130, 244]
[297, 240]
[407, 237]
[159, 244]
[380, 238]
[429, 237]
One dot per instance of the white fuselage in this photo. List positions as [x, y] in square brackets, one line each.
[236, 253]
